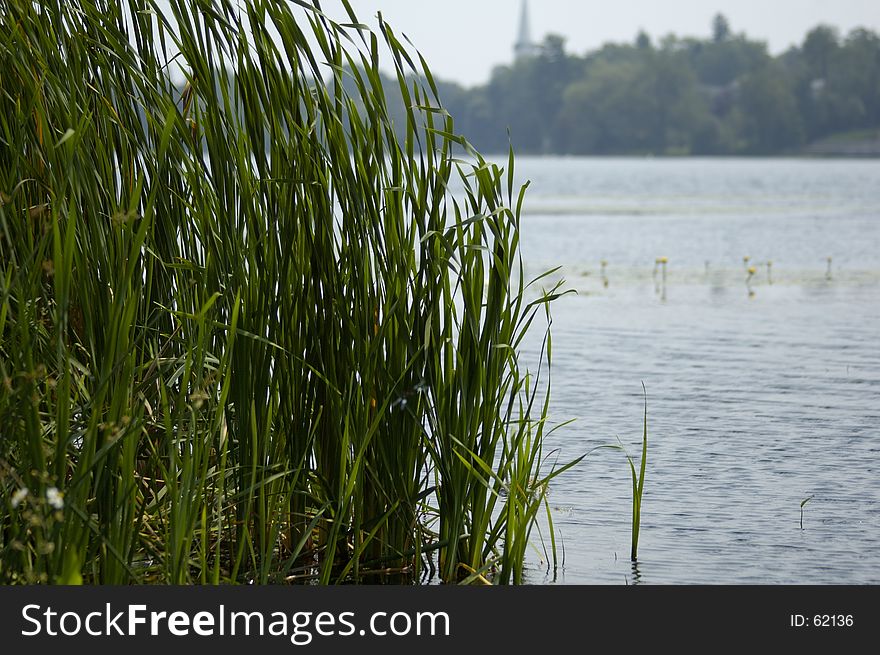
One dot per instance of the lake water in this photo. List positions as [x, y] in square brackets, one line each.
[761, 391]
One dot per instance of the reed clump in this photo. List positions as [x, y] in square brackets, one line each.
[247, 333]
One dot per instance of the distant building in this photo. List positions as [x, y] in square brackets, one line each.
[524, 46]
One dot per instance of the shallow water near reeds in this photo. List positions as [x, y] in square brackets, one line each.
[762, 391]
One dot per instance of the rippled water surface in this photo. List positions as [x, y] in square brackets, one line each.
[763, 389]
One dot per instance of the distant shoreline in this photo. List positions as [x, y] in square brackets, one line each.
[800, 156]
[846, 146]
[864, 144]
[815, 151]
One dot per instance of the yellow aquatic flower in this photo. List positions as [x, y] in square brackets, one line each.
[752, 270]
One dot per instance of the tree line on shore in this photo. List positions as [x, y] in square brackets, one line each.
[721, 95]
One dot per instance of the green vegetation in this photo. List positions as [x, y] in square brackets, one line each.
[246, 331]
[725, 95]
[638, 484]
[637, 476]
[803, 504]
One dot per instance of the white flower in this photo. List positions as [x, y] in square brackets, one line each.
[55, 498]
[19, 496]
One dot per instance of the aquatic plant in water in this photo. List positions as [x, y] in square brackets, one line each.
[247, 333]
[638, 480]
[750, 273]
[638, 484]
[803, 504]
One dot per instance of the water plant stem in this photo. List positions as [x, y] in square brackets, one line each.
[803, 504]
[638, 483]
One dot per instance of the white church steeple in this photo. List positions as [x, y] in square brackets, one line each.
[524, 46]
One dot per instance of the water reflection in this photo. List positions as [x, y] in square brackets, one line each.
[660, 281]
[636, 575]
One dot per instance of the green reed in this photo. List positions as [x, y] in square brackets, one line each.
[638, 482]
[247, 332]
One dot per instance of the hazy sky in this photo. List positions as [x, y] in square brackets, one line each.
[464, 39]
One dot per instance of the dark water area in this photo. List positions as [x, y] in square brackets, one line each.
[763, 387]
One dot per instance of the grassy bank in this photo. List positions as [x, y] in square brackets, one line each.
[245, 332]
